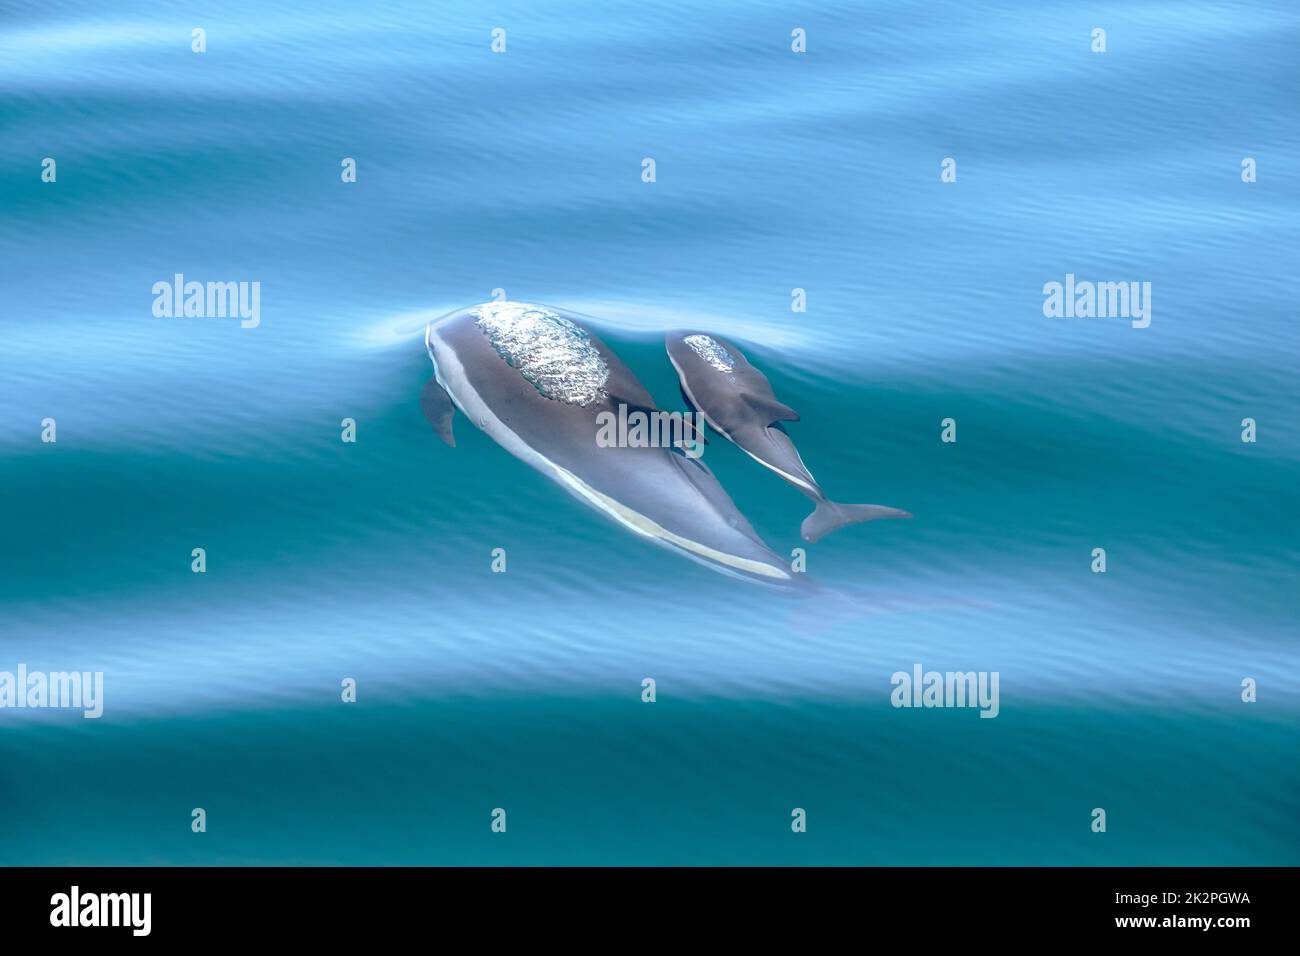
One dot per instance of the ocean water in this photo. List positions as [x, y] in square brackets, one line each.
[774, 171]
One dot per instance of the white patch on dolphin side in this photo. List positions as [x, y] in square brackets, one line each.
[451, 375]
[555, 355]
[709, 349]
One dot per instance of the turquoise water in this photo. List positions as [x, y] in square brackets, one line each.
[522, 690]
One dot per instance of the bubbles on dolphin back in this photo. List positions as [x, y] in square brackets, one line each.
[711, 351]
[555, 355]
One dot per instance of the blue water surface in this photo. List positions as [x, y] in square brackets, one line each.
[775, 171]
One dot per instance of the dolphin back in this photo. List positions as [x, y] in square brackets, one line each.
[541, 384]
[718, 378]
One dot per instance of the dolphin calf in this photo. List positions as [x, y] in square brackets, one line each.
[535, 380]
[738, 403]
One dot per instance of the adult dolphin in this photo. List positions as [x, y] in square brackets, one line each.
[736, 399]
[535, 380]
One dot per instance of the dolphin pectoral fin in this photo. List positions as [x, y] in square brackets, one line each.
[690, 406]
[769, 410]
[829, 516]
[686, 398]
[438, 409]
[694, 432]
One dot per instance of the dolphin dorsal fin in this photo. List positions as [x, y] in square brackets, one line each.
[689, 430]
[769, 409]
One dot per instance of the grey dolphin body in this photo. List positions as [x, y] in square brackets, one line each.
[535, 380]
[736, 399]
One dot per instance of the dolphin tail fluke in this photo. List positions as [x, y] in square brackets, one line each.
[830, 516]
